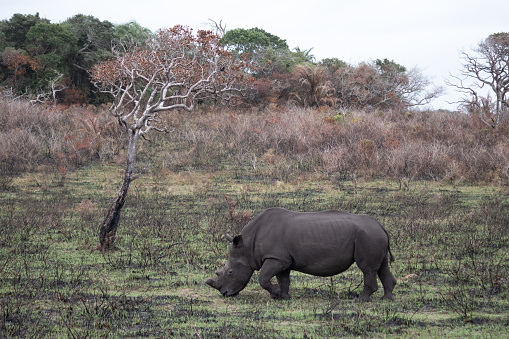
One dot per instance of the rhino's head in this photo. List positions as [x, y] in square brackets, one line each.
[234, 276]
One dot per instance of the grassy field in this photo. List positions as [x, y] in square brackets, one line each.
[450, 243]
[210, 176]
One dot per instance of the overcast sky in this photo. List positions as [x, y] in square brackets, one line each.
[427, 34]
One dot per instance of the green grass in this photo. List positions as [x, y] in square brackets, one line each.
[450, 243]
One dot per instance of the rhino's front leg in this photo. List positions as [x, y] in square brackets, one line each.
[271, 268]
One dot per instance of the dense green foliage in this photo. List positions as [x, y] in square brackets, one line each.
[44, 61]
[38, 56]
[15, 30]
[251, 40]
[269, 53]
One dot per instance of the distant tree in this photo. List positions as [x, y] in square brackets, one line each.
[312, 87]
[486, 72]
[382, 84]
[418, 90]
[53, 46]
[172, 71]
[332, 65]
[303, 56]
[16, 28]
[267, 52]
[252, 40]
[360, 87]
[94, 42]
[218, 27]
[53, 85]
[389, 68]
[94, 38]
[274, 61]
[283, 60]
[392, 82]
[3, 39]
[131, 34]
[20, 67]
[39, 59]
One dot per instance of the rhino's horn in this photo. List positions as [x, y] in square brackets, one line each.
[228, 237]
[211, 282]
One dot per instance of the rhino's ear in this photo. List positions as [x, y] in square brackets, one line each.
[237, 241]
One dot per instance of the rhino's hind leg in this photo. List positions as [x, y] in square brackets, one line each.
[370, 285]
[283, 280]
[271, 268]
[388, 280]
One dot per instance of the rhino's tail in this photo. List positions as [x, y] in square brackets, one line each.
[389, 247]
[391, 257]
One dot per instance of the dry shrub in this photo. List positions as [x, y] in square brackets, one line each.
[411, 145]
[19, 150]
[236, 218]
[334, 159]
[269, 157]
[95, 135]
[33, 119]
[366, 149]
[26, 135]
[388, 143]
[86, 209]
[32, 135]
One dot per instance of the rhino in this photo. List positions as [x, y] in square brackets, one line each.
[324, 244]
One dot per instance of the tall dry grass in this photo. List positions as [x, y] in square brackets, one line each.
[62, 137]
[381, 144]
[425, 145]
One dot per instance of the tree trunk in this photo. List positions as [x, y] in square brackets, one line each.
[110, 224]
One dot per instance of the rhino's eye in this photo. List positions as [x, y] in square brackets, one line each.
[229, 272]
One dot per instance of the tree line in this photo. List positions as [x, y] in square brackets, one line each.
[51, 62]
[44, 61]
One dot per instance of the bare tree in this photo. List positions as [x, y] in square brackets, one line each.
[486, 71]
[418, 90]
[383, 84]
[173, 71]
[54, 86]
[219, 27]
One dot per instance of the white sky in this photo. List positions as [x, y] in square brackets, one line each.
[427, 34]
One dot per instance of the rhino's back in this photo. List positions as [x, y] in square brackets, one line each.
[318, 243]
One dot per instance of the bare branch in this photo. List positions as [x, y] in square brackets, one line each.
[54, 85]
[219, 27]
[485, 71]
